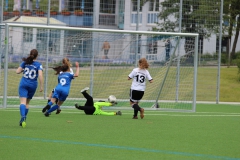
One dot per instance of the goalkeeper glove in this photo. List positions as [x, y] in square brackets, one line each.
[114, 103]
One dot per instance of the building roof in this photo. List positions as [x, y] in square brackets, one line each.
[34, 20]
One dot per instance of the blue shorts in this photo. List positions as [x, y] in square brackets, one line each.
[60, 94]
[27, 90]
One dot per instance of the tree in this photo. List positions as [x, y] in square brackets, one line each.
[197, 16]
[232, 13]
[200, 16]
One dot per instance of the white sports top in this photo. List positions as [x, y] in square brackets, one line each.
[71, 71]
[139, 77]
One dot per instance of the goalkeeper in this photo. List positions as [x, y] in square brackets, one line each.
[91, 108]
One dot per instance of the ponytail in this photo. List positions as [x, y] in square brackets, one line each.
[32, 56]
[62, 68]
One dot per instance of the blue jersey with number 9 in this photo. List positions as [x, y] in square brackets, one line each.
[64, 83]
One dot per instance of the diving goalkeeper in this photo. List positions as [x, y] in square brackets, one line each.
[91, 108]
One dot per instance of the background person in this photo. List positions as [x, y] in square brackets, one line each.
[32, 70]
[168, 47]
[105, 48]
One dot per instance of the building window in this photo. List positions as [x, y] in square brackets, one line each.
[154, 5]
[134, 18]
[72, 5]
[134, 6]
[134, 14]
[152, 17]
[153, 11]
[27, 34]
[107, 6]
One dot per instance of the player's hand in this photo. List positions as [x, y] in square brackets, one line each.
[77, 64]
[41, 89]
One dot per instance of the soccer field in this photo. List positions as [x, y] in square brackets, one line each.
[212, 132]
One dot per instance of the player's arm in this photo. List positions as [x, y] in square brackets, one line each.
[19, 70]
[40, 77]
[77, 69]
[131, 75]
[101, 104]
[149, 77]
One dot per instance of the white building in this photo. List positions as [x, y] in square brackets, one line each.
[123, 15]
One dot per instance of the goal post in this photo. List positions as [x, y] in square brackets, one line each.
[105, 72]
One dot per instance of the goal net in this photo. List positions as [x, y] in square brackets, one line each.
[172, 58]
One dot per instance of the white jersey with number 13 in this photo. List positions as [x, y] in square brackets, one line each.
[139, 77]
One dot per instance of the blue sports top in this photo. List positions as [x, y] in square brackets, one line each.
[30, 71]
[64, 80]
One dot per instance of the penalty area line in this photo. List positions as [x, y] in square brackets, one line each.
[206, 114]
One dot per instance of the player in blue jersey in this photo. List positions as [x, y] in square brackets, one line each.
[32, 71]
[62, 89]
[47, 107]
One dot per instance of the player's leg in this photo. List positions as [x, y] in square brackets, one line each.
[135, 97]
[50, 96]
[23, 92]
[132, 102]
[61, 94]
[22, 109]
[110, 113]
[27, 92]
[27, 107]
[47, 107]
[89, 110]
[89, 98]
[136, 108]
[59, 109]
[53, 108]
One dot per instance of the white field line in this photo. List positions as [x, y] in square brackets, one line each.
[200, 114]
[123, 100]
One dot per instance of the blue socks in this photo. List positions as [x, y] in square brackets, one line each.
[26, 111]
[23, 112]
[50, 103]
[55, 107]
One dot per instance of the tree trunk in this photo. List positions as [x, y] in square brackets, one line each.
[236, 37]
[228, 50]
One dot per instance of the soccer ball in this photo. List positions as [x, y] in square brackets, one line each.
[112, 99]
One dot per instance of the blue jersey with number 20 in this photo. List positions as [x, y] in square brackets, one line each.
[29, 82]
[64, 83]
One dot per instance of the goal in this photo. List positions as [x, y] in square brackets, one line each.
[172, 58]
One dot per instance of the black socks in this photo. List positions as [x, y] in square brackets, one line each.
[136, 109]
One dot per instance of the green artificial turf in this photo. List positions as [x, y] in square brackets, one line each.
[212, 132]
